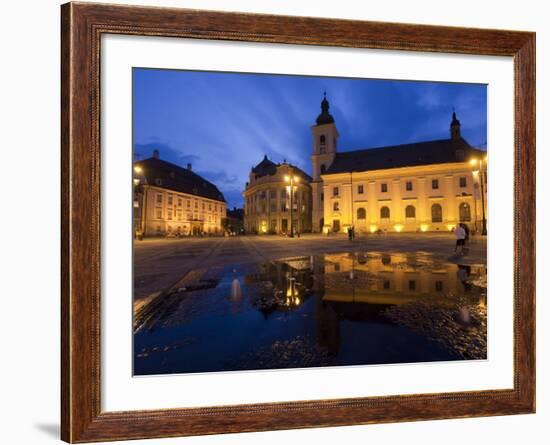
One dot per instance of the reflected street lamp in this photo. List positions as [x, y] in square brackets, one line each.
[291, 180]
[479, 163]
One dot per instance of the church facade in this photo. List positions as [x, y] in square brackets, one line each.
[425, 186]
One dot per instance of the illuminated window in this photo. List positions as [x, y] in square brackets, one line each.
[437, 213]
[464, 212]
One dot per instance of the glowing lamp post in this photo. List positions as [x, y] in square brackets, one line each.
[291, 180]
[138, 185]
[479, 163]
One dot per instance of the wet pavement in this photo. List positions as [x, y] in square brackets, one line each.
[349, 308]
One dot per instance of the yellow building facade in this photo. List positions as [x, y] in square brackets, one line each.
[172, 200]
[425, 186]
[269, 207]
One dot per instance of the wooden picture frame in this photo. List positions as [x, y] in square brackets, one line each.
[82, 26]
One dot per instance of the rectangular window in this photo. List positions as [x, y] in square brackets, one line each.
[439, 286]
[360, 189]
[335, 191]
[180, 201]
[435, 184]
[386, 284]
[159, 214]
[462, 181]
[412, 285]
[159, 198]
[188, 203]
[170, 200]
[409, 186]
[384, 187]
[169, 214]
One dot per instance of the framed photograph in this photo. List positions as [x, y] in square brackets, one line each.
[276, 222]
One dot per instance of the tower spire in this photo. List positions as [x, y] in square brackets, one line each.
[325, 117]
[455, 127]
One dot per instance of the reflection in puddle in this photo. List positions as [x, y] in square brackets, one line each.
[326, 310]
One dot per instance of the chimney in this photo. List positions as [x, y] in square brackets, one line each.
[189, 167]
[156, 154]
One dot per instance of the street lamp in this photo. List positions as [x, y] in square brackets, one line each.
[140, 189]
[479, 163]
[291, 180]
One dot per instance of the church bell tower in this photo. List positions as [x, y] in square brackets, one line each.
[325, 141]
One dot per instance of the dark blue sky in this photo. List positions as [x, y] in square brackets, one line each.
[224, 123]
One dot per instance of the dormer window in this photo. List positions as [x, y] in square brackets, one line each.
[158, 181]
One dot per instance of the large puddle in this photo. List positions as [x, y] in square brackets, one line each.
[326, 310]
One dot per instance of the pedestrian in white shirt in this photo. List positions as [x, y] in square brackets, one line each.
[460, 235]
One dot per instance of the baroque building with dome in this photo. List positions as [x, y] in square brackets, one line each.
[269, 206]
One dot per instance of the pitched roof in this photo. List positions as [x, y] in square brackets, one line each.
[178, 179]
[406, 155]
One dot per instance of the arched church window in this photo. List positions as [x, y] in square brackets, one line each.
[361, 213]
[410, 212]
[322, 139]
[464, 212]
[437, 213]
[385, 213]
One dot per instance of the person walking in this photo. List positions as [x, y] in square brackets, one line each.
[460, 235]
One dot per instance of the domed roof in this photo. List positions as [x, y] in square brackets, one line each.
[265, 167]
[325, 117]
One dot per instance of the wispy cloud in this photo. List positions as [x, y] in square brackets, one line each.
[224, 124]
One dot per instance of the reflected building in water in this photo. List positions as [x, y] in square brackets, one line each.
[358, 287]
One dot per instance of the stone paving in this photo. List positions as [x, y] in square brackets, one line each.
[162, 263]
